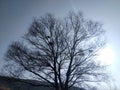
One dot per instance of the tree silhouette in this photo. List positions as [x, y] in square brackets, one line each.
[61, 52]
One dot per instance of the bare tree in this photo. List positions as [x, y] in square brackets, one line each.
[61, 52]
[12, 69]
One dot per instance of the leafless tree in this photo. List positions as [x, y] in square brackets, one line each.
[12, 69]
[61, 52]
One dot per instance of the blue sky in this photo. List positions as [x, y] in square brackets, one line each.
[17, 15]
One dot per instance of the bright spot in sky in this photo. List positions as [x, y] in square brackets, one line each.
[106, 55]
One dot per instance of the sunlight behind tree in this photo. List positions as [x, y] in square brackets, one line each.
[106, 55]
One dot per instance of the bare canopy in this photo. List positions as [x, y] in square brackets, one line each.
[61, 52]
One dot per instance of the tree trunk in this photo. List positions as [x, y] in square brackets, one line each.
[65, 88]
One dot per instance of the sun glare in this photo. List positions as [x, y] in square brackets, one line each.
[106, 55]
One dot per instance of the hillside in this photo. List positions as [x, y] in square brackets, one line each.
[23, 84]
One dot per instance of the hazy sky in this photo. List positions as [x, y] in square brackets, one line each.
[17, 15]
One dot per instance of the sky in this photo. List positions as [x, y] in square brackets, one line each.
[17, 15]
